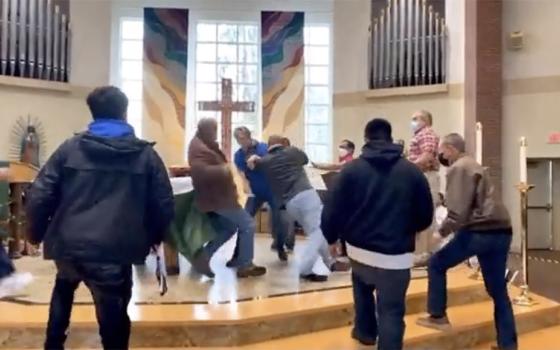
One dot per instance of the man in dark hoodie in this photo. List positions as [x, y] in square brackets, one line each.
[378, 204]
[100, 203]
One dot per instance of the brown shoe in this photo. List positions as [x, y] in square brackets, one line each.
[251, 271]
[340, 266]
[437, 323]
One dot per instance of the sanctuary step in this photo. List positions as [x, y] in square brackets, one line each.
[543, 339]
[220, 325]
[319, 320]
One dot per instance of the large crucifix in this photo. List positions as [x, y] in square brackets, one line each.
[226, 106]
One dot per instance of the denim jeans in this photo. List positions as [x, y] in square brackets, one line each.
[306, 209]
[111, 288]
[381, 315]
[492, 249]
[6, 266]
[228, 222]
[279, 226]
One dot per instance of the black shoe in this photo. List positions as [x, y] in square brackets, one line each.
[312, 277]
[363, 340]
[232, 263]
[251, 271]
[340, 266]
[201, 263]
[496, 347]
[282, 255]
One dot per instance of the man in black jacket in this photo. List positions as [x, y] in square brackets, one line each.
[377, 206]
[99, 204]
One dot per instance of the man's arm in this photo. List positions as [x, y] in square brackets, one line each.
[161, 205]
[327, 167]
[428, 145]
[461, 190]
[336, 210]
[423, 203]
[42, 199]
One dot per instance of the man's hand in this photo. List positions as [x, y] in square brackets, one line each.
[335, 249]
[252, 161]
[4, 174]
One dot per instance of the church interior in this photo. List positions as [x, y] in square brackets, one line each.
[315, 72]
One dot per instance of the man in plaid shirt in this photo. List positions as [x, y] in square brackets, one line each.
[423, 152]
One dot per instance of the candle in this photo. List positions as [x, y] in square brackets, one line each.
[523, 160]
[479, 143]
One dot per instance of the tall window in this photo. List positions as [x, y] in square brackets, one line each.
[228, 50]
[130, 68]
[318, 98]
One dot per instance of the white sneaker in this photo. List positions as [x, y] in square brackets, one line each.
[14, 283]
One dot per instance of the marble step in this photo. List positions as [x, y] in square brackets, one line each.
[472, 329]
[220, 325]
[472, 326]
[543, 339]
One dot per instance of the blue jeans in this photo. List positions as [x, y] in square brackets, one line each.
[228, 222]
[380, 315]
[491, 249]
[279, 227]
[306, 209]
[6, 266]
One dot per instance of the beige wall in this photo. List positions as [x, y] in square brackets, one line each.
[91, 42]
[532, 89]
[61, 114]
[353, 111]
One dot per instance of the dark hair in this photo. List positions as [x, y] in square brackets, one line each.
[107, 102]
[350, 145]
[379, 130]
[242, 129]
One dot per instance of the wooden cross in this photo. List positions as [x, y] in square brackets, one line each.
[226, 106]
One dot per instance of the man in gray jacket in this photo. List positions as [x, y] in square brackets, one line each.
[483, 229]
[290, 186]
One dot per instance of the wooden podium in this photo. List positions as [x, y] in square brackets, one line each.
[21, 175]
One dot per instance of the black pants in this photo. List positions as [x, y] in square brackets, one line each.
[380, 315]
[6, 266]
[111, 288]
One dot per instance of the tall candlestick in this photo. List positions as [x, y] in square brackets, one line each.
[523, 161]
[479, 143]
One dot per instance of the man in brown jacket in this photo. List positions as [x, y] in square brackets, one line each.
[483, 229]
[216, 194]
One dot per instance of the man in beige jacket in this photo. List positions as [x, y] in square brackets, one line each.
[483, 229]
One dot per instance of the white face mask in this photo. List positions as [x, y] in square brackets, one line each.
[342, 152]
[414, 125]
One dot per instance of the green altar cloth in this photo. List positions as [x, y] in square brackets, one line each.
[191, 229]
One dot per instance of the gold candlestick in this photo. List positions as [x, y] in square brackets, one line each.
[524, 299]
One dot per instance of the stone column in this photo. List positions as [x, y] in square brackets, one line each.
[483, 81]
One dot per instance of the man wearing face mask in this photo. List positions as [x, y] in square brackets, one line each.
[345, 155]
[423, 153]
[483, 229]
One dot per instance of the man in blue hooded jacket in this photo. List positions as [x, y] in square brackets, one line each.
[99, 204]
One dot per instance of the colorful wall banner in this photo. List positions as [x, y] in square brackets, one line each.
[283, 74]
[165, 80]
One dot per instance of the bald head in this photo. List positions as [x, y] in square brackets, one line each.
[208, 129]
[456, 141]
[275, 140]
